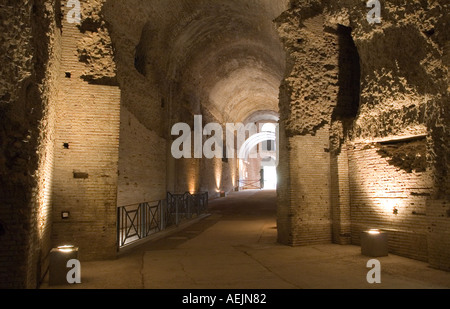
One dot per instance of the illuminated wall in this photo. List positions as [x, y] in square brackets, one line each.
[254, 169]
[45, 174]
[142, 163]
[86, 148]
[304, 212]
[383, 91]
[387, 197]
[187, 175]
[340, 197]
[28, 92]
[218, 175]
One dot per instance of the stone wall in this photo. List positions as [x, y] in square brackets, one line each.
[206, 175]
[308, 95]
[340, 197]
[389, 198]
[87, 142]
[404, 84]
[86, 112]
[142, 163]
[393, 133]
[29, 52]
[308, 197]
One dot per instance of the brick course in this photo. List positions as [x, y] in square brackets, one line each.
[88, 121]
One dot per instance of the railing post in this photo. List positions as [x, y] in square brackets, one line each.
[144, 220]
[176, 212]
[189, 198]
[191, 204]
[198, 204]
[162, 217]
[118, 229]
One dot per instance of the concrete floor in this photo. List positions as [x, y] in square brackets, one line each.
[236, 248]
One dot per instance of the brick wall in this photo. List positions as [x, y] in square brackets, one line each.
[438, 222]
[206, 175]
[211, 174]
[142, 163]
[307, 210]
[27, 100]
[187, 175]
[284, 208]
[438, 207]
[377, 188]
[308, 96]
[217, 175]
[85, 174]
[340, 197]
[44, 189]
[254, 170]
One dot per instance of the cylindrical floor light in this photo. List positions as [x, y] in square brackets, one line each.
[59, 257]
[374, 243]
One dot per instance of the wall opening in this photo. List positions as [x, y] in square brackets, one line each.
[270, 177]
[344, 115]
[2, 229]
[349, 79]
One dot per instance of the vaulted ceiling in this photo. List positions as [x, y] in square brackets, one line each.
[225, 54]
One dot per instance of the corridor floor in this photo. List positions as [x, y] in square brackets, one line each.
[236, 248]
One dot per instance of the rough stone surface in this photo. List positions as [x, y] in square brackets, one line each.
[363, 112]
[403, 94]
[27, 89]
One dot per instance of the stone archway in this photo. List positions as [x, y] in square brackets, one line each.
[100, 91]
[372, 143]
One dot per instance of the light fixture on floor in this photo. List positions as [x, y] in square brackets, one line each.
[59, 257]
[66, 248]
[374, 243]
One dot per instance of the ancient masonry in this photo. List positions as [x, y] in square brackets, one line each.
[86, 111]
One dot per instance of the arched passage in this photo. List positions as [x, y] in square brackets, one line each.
[222, 60]
[88, 111]
[253, 157]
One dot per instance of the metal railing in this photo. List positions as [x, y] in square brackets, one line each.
[135, 222]
[183, 207]
[139, 221]
[250, 184]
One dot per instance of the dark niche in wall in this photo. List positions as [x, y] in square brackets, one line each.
[349, 82]
[79, 175]
[408, 155]
[349, 76]
[90, 24]
[2, 229]
[140, 55]
[58, 14]
[139, 61]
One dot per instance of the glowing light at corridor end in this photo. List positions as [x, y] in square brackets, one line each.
[192, 186]
[218, 174]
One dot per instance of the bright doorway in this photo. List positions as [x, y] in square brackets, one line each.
[270, 178]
